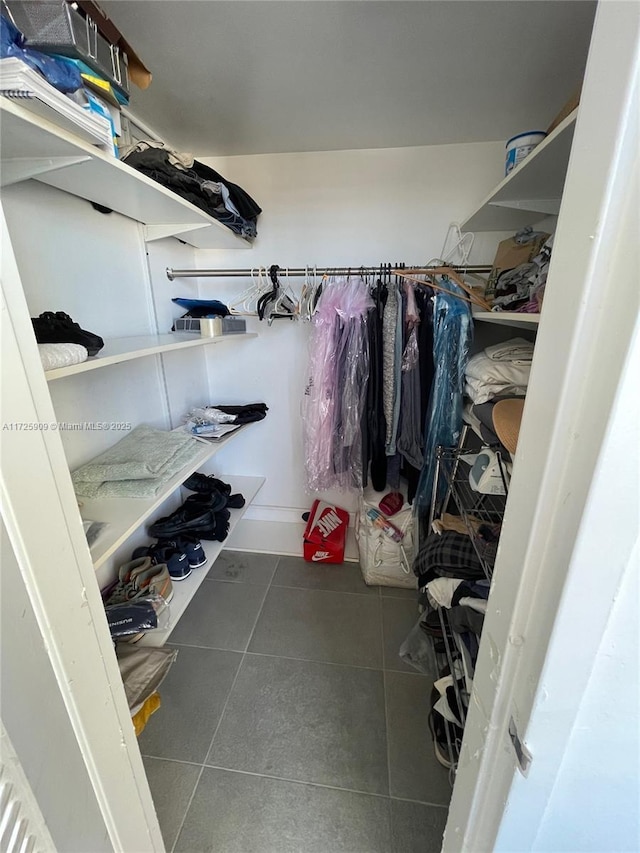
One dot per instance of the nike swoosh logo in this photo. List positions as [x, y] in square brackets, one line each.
[321, 555]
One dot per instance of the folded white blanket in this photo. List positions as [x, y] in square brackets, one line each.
[481, 391]
[517, 349]
[61, 355]
[486, 369]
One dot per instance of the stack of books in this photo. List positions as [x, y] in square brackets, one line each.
[21, 83]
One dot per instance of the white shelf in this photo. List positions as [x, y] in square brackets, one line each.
[125, 515]
[508, 318]
[183, 591]
[532, 190]
[32, 147]
[118, 350]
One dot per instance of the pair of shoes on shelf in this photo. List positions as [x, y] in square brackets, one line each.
[180, 555]
[59, 328]
[138, 578]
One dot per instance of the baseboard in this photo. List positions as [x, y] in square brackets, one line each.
[277, 537]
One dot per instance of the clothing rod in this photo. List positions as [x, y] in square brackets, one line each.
[301, 271]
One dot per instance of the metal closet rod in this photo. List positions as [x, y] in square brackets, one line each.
[300, 271]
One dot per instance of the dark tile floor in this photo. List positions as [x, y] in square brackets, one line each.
[288, 723]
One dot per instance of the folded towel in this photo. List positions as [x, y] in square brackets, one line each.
[486, 369]
[517, 349]
[481, 391]
[137, 466]
[61, 355]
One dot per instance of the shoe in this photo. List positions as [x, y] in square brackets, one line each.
[189, 519]
[205, 483]
[191, 547]
[147, 579]
[127, 572]
[219, 529]
[213, 500]
[59, 328]
[174, 559]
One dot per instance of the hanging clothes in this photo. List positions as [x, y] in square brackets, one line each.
[336, 391]
[376, 426]
[452, 332]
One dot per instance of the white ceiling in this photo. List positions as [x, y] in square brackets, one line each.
[262, 76]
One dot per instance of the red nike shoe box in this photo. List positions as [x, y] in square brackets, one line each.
[325, 534]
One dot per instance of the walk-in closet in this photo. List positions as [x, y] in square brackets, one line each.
[320, 426]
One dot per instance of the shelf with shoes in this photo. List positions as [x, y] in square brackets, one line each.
[183, 591]
[532, 190]
[117, 350]
[125, 515]
[33, 147]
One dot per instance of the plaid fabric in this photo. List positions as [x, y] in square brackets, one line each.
[448, 554]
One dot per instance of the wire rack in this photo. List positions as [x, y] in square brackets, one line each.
[482, 514]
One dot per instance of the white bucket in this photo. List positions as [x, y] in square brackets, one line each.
[520, 146]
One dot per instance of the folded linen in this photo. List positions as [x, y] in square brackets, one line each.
[53, 356]
[137, 466]
[517, 349]
[481, 391]
[486, 369]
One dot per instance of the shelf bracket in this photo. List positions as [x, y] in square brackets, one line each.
[550, 206]
[158, 232]
[23, 168]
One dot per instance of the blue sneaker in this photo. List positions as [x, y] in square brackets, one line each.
[191, 547]
[175, 560]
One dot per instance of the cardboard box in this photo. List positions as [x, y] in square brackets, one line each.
[568, 108]
[325, 534]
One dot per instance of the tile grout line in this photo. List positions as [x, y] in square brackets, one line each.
[302, 660]
[300, 782]
[386, 709]
[219, 723]
[293, 781]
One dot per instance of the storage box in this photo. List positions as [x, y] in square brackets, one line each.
[54, 26]
[227, 325]
[325, 534]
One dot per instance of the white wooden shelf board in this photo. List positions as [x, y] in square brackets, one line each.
[183, 591]
[118, 350]
[533, 187]
[79, 168]
[125, 515]
[508, 318]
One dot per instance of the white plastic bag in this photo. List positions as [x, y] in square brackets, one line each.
[384, 562]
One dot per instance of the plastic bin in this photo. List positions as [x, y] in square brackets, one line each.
[53, 26]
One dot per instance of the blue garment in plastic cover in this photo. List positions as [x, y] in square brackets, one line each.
[65, 77]
[452, 336]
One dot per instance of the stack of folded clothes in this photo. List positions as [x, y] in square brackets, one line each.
[498, 371]
[137, 466]
[197, 183]
[61, 341]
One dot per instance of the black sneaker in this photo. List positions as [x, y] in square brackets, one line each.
[205, 484]
[59, 328]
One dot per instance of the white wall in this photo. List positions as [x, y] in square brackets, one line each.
[327, 208]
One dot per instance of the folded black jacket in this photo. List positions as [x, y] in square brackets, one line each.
[246, 414]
